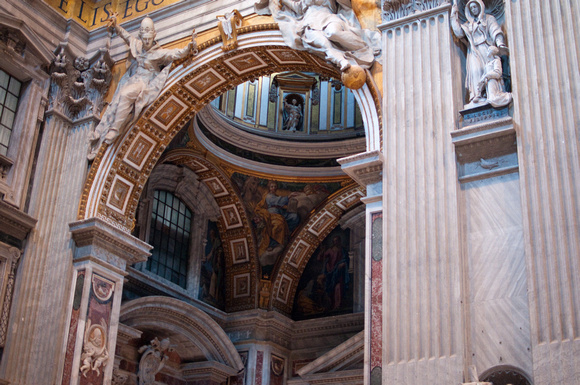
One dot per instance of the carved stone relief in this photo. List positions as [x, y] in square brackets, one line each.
[95, 353]
[152, 360]
[397, 9]
[77, 87]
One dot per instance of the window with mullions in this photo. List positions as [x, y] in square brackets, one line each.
[9, 93]
[169, 235]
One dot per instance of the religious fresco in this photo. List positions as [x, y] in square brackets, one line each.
[276, 209]
[324, 288]
[212, 276]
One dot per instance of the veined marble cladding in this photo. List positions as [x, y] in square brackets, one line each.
[545, 52]
[422, 319]
[498, 326]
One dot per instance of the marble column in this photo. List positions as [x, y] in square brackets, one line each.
[422, 339]
[544, 54]
[100, 260]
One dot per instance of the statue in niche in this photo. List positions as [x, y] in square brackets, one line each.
[152, 361]
[292, 115]
[328, 28]
[140, 85]
[483, 66]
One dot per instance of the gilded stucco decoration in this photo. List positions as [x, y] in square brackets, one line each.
[228, 25]
[143, 144]
[119, 172]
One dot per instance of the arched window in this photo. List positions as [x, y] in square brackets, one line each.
[169, 234]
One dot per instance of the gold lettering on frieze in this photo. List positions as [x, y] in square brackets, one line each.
[93, 14]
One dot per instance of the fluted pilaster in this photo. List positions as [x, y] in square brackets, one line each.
[422, 339]
[545, 55]
[45, 274]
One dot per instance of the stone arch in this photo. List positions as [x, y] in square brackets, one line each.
[120, 171]
[292, 265]
[225, 198]
[172, 315]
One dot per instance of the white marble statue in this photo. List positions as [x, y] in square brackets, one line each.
[140, 85]
[294, 114]
[491, 82]
[328, 28]
[482, 31]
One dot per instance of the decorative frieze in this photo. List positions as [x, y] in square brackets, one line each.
[397, 9]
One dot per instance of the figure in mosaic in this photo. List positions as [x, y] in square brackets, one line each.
[482, 31]
[141, 84]
[328, 28]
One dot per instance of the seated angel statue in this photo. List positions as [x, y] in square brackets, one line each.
[328, 28]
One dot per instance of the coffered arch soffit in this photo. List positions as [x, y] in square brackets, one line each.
[290, 268]
[232, 221]
[119, 172]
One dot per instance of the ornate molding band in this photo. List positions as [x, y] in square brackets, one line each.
[398, 9]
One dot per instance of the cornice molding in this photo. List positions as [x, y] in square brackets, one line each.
[97, 239]
[365, 168]
[15, 222]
